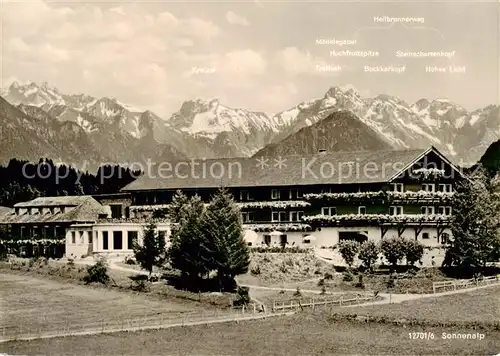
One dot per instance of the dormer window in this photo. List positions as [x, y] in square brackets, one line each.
[63, 209]
[52, 211]
[275, 194]
[40, 211]
[17, 211]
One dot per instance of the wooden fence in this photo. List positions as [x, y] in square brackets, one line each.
[148, 321]
[446, 286]
[312, 303]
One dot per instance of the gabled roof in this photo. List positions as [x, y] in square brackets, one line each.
[317, 169]
[83, 209]
[455, 170]
[54, 201]
[4, 211]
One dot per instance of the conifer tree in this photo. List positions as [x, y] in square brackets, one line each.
[223, 231]
[152, 251]
[475, 224]
[188, 251]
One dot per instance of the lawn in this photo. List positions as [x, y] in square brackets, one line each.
[302, 334]
[120, 281]
[34, 303]
[481, 305]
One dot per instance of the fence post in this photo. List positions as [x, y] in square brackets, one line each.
[312, 303]
[341, 298]
[254, 307]
[433, 288]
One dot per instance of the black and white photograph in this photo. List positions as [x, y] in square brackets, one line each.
[249, 177]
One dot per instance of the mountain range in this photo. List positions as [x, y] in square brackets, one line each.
[40, 121]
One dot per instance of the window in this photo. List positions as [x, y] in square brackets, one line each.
[278, 216]
[117, 240]
[427, 210]
[116, 211]
[292, 194]
[300, 194]
[245, 195]
[63, 209]
[329, 210]
[425, 235]
[80, 234]
[296, 215]
[283, 240]
[397, 187]
[52, 210]
[73, 237]
[446, 188]
[445, 238]
[90, 237]
[247, 217]
[267, 239]
[362, 210]
[444, 210]
[275, 194]
[429, 187]
[105, 240]
[326, 190]
[396, 210]
[131, 239]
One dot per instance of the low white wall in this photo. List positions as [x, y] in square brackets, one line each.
[82, 245]
[329, 236]
[124, 228]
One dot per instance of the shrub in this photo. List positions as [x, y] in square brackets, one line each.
[414, 251]
[348, 276]
[97, 273]
[328, 276]
[32, 261]
[71, 262]
[3, 253]
[255, 270]
[140, 285]
[360, 283]
[348, 250]
[323, 290]
[242, 296]
[321, 282]
[368, 254]
[130, 261]
[394, 250]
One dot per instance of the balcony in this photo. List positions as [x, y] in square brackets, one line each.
[375, 219]
[277, 226]
[382, 196]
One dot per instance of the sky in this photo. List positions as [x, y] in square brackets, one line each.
[259, 55]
